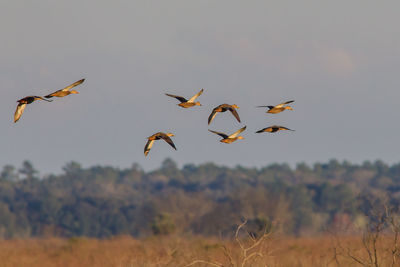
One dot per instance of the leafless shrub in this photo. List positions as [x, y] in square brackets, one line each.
[251, 247]
[383, 225]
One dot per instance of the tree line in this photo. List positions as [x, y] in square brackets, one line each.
[205, 199]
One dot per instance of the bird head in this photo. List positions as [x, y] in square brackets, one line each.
[235, 106]
[74, 92]
[289, 108]
[170, 134]
[197, 103]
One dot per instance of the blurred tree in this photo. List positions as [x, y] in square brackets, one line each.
[204, 199]
[72, 168]
[7, 222]
[8, 173]
[169, 164]
[303, 167]
[28, 170]
[163, 224]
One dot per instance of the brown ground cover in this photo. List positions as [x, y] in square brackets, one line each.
[194, 251]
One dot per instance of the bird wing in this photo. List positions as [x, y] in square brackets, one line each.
[196, 96]
[18, 112]
[234, 112]
[52, 94]
[41, 98]
[148, 146]
[284, 103]
[66, 88]
[284, 128]
[262, 130]
[235, 134]
[180, 98]
[212, 116]
[220, 134]
[168, 140]
[73, 85]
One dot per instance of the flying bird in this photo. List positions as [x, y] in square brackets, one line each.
[66, 91]
[230, 138]
[273, 129]
[22, 104]
[223, 108]
[158, 136]
[188, 103]
[278, 108]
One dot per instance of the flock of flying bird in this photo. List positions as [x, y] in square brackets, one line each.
[184, 103]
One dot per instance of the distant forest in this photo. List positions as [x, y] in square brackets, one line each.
[206, 199]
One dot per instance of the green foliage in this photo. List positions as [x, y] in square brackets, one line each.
[28, 170]
[206, 199]
[163, 225]
[8, 173]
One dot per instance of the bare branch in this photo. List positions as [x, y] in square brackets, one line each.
[365, 241]
[355, 258]
[237, 234]
[205, 262]
[251, 256]
[256, 243]
[228, 255]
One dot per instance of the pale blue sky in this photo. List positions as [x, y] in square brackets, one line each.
[339, 60]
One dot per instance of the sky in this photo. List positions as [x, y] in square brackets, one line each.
[339, 61]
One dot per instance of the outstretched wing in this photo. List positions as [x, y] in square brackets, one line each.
[180, 98]
[148, 146]
[284, 128]
[220, 134]
[262, 130]
[41, 98]
[265, 107]
[195, 96]
[66, 88]
[73, 85]
[18, 112]
[212, 116]
[234, 112]
[237, 132]
[284, 103]
[168, 140]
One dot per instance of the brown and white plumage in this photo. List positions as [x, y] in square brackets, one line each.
[66, 91]
[278, 108]
[18, 112]
[158, 136]
[187, 103]
[230, 138]
[223, 108]
[22, 104]
[273, 129]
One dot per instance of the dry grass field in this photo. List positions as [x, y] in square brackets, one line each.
[176, 251]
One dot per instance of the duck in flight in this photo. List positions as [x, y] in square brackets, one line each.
[22, 104]
[278, 108]
[223, 108]
[158, 136]
[273, 129]
[230, 138]
[66, 91]
[187, 103]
